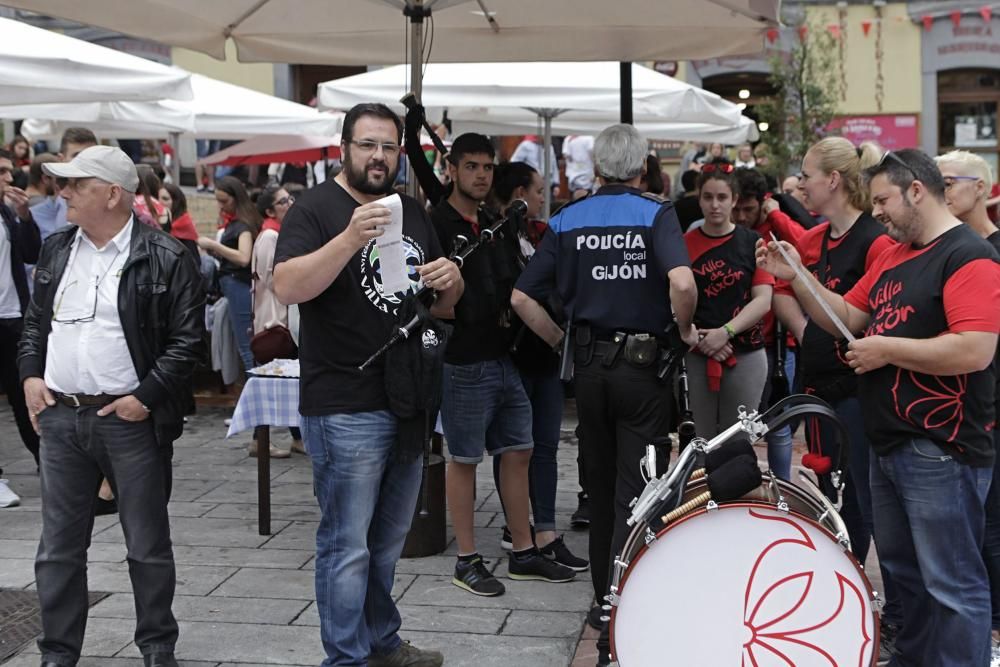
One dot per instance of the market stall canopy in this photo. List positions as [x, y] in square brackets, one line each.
[520, 89]
[277, 148]
[40, 66]
[362, 32]
[219, 110]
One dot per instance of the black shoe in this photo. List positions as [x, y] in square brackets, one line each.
[887, 643]
[473, 576]
[594, 617]
[558, 552]
[581, 517]
[507, 542]
[103, 507]
[159, 660]
[533, 566]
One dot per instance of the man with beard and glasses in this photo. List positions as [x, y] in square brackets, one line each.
[326, 261]
[930, 312]
[484, 407]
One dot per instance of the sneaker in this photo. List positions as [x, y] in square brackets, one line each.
[298, 447]
[581, 517]
[507, 542]
[7, 497]
[994, 651]
[104, 507]
[200, 188]
[887, 643]
[407, 655]
[474, 577]
[535, 567]
[558, 552]
[594, 617]
[227, 422]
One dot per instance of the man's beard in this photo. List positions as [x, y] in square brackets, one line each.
[362, 181]
[907, 228]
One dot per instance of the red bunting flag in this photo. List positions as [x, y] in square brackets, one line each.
[956, 17]
[866, 25]
[772, 35]
[986, 12]
[834, 30]
[803, 31]
[928, 22]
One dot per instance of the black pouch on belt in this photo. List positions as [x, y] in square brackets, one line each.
[583, 343]
[641, 350]
[613, 349]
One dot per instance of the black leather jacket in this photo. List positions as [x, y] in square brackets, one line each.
[161, 304]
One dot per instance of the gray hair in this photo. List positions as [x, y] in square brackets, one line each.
[620, 153]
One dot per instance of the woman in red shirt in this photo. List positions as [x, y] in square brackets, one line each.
[728, 367]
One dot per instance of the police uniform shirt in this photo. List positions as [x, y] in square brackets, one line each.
[608, 256]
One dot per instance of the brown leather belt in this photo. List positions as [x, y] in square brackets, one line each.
[85, 400]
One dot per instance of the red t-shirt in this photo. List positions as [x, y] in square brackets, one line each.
[950, 285]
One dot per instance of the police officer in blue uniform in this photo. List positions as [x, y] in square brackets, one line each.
[619, 263]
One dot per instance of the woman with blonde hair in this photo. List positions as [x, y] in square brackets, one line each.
[838, 252]
[967, 184]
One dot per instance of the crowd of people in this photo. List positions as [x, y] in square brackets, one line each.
[893, 247]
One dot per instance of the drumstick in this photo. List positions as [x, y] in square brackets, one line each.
[841, 327]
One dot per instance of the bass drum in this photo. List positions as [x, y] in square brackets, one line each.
[753, 583]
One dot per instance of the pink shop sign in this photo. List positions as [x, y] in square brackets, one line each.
[892, 132]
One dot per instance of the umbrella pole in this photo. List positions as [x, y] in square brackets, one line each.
[626, 92]
[547, 161]
[175, 168]
[416, 11]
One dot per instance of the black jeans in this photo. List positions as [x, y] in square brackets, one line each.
[621, 410]
[78, 449]
[10, 382]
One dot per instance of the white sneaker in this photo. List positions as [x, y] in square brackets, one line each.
[7, 497]
[227, 421]
[994, 653]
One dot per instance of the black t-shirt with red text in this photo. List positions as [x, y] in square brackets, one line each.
[951, 285]
[725, 270]
[845, 260]
[994, 240]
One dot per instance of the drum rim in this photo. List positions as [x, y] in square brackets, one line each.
[876, 637]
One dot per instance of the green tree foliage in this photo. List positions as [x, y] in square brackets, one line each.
[805, 98]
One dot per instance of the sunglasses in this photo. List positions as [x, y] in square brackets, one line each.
[721, 167]
[889, 155]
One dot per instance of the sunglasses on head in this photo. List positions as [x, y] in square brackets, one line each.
[889, 155]
[721, 167]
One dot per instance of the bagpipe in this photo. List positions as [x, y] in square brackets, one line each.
[460, 252]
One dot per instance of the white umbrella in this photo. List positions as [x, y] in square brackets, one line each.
[511, 98]
[219, 110]
[362, 32]
[40, 66]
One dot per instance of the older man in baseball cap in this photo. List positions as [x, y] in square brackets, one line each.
[111, 338]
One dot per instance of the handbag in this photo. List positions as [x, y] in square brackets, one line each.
[273, 343]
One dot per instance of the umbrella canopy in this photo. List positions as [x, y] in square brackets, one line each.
[219, 110]
[277, 148]
[40, 66]
[362, 32]
[528, 86]
[499, 122]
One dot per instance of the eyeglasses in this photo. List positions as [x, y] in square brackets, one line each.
[97, 288]
[721, 167]
[72, 183]
[369, 146]
[950, 181]
[889, 155]
[285, 201]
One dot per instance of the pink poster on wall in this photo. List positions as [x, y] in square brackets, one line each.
[889, 131]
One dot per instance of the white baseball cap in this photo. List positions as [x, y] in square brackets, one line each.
[104, 162]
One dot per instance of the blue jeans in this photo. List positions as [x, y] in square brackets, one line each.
[779, 442]
[367, 500]
[237, 293]
[929, 522]
[991, 541]
[546, 395]
[484, 409]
